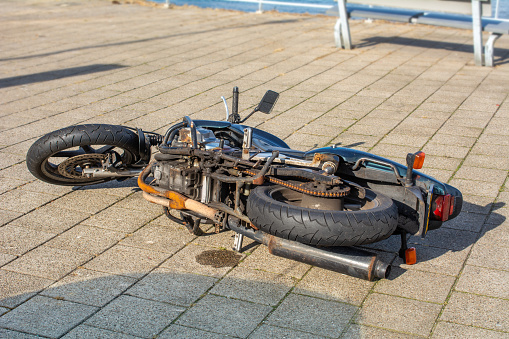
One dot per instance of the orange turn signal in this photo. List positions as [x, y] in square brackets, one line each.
[410, 256]
[419, 160]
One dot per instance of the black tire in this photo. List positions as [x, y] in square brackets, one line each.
[269, 212]
[45, 154]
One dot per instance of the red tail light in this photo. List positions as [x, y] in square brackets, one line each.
[443, 207]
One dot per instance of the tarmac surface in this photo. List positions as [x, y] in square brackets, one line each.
[101, 262]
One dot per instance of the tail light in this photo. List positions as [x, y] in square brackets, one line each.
[443, 206]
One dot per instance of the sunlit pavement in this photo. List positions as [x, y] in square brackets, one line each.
[101, 262]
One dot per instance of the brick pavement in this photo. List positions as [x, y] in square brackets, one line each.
[101, 262]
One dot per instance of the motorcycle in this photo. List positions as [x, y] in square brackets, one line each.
[315, 207]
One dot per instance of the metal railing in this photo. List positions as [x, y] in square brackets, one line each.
[279, 3]
[282, 3]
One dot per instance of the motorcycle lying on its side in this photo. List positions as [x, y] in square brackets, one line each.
[315, 207]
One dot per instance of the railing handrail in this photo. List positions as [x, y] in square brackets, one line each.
[283, 3]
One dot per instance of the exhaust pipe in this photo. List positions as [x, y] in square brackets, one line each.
[347, 260]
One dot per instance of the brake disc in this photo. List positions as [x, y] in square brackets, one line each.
[72, 167]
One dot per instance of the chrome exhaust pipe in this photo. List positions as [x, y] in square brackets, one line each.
[347, 260]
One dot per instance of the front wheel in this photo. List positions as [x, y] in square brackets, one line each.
[61, 156]
[292, 215]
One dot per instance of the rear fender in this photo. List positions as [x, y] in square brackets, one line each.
[387, 177]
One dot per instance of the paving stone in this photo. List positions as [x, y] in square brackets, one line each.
[499, 215]
[167, 239]
[18, 171]
[472, 222]
[334, 286]
[493, 139]
[135, 202]
[89, 287]
[350, 140]
[267, 331]
[476, 204]
[47, 262]
[392, 151]
[223, 239]
[171, 286]
[398, 314]
[182, 332]
[51, 219]
[451, 330]
[485, 161]
[446, 150]
[486, 189]
[23, 201]
[479, 311]
[424, 286]
[128, 261]
[17, 288]
[118, 188]
[484, 281]
[455, 140]
[307, 139]
[262, 260]
[186, 260]
[8, 185]
[316, 316]
[447, 238]
[406, 140]
[42, 187]
[46, 316]
[18, 240]
[255, 286]
[119, 219]
[6, 258]
[85, 201]
[233, 320]
[486, 255]
[86, 239]
[481, 174]
[495, 235]
[89, 332]
[7, 216]
[358, 331]
[4, 333]
[135, 316]
[489, 149]
[452, 128]
[436, 260]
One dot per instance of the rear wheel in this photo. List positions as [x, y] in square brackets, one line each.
[322, 221]
[61, 156]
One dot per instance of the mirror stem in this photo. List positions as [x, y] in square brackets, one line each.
[235, 117]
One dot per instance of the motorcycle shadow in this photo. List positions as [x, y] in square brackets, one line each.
[445, 250]
[442, 251]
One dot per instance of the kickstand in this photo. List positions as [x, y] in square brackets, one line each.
[237, 243]
[404, 246]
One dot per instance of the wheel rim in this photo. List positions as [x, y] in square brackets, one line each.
[67, 165]
[348, 203]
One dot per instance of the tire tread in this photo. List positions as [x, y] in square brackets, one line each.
[322, 227]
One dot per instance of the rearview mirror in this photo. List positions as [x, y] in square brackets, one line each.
[268, 102]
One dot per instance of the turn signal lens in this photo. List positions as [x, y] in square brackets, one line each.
[419, 160]
[444, 205]
[410, 256]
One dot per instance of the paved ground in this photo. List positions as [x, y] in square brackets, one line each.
[101, 262]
